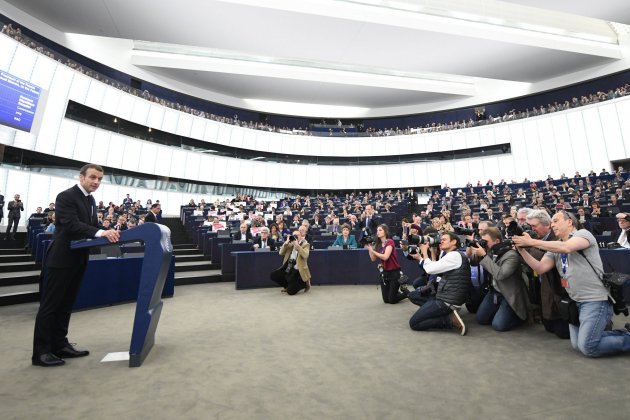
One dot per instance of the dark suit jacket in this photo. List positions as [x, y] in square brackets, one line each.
[270, 242]
[372, 225]
[74, 219]
[237, 236]
[15, 209]
[150, 217]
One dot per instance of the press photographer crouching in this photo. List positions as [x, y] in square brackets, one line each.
[451, 290]
[294, 274]
[506, 305]
[388, 265]
[576, 256]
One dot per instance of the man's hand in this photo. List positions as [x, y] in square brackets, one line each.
[416, 256]
[111, 235]
[256, 246]
[478, 251]
[523, 241]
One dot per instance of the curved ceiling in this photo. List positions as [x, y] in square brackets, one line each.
[366, 55]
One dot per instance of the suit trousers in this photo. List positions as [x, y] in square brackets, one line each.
[292, 281]
[53, 317]
[390, 288]
[12, 220]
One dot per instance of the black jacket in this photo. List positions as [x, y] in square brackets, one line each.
[150, 217]
[75, 218]
[270, 243]
[454, 287]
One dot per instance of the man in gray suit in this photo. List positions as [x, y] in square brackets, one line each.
[15, 208]
[506, 306]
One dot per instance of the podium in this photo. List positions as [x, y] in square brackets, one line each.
[158, 251]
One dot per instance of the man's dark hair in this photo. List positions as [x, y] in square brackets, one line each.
[155, 205]
[493, 233]
[85, 168]
[453, 237]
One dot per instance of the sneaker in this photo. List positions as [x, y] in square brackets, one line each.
[458, 324]
[404, 289]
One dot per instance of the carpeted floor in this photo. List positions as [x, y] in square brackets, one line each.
[337, 352]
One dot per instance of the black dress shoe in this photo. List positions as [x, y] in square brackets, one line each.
[69, 351]
[47, 360]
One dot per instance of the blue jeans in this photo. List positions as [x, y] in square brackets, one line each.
[590, 337]
[495, 310]
[432, 314]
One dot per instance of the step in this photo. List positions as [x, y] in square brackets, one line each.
[183, 246]
[192, 257]
[198, 277]
[19, 277]
[15, 258]
[178, 251]
[18, 298]
[194, 266]
[6, 267]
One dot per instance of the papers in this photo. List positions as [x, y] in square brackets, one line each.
[116, 357]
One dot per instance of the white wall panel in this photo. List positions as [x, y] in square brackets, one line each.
[219, 170]
[163, 161]
[95, 94]
[178, 163]
[612, 131]
[43, 72]
[475, 168]
[532, 146]
[66, 139]
[521, 168]
[548, 154]
[506, 168]
[595, 138]
[212, 131]
[312, 177]
[623, 110]
[562, 144]
[84, 143]
[224, 135]
[125, 107]
[199, 127]
[8, 48]
[140, 112]
[131, 159]
[491, 170]
[100, 148]
[24, 140]
[444, 142]
[263, 141]
[156, 116]
[110, 100]
[206, 165]
[434, 173]
[116, 151]
[23, 62]
[579, 143]
[184, 124]
[431, 145]
[250, 139]
[191, 171]
[472, 138]
[419, 175]
[236, 137]
[148, 158]
[392, 146]
[169, 120]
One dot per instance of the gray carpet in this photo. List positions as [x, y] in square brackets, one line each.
[334, 353]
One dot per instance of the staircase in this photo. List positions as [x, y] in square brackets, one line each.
[191, 267]
[19, 273]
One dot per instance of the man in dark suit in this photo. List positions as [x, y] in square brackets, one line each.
[76, 218]
[15, 208]
[264, 241]
[243, 234]
[151, 215]
[368, 220]
[1, 207]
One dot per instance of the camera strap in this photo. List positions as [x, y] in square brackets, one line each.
[599, 276]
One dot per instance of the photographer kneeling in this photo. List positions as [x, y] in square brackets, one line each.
[452, 288]
[506, 305]
[294, 274]
[389, 266]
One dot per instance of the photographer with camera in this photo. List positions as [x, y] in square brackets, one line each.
[15, 208]
[576, 256]
[451, 288]
[294, 274]
[388, 265]
[550, 287]
[506, 305]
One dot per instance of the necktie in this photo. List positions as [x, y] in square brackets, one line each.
[264, 244]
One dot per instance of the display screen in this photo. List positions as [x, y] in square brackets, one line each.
[18, 102]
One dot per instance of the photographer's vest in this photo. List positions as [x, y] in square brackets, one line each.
[454, 286]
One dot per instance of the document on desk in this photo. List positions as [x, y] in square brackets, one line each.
[116, 357]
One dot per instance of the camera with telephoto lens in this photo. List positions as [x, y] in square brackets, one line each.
[292, 238]
[476, 243]
[513, 229]
[465, 231]
[432, 239]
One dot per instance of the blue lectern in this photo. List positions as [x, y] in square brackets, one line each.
[157, 258]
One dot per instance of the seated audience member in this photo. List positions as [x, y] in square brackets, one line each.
[264, 241]
[452, 287]
[274, 233]
[596, 210]
[132, 223]
[243, 234]
[106, 224]
[294, 274]
[622, 235]
[51, 226]
[506, 306]
[345, 240]
[121, 224]
[151, 215]
[51, 207]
